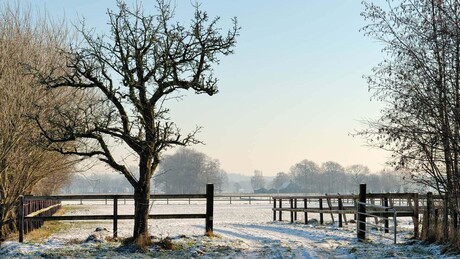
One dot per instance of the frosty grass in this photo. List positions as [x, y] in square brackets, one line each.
[241, 230]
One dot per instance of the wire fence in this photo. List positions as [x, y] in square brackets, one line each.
[378, 212]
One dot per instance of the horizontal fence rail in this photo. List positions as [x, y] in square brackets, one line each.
[227, 197]
[382, 205]
[404, 203]
[36, 217]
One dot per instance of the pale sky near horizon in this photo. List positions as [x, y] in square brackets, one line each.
[293, 90]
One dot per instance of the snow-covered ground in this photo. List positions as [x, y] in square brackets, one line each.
[243, 231]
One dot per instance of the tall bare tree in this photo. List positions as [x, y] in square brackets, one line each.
[420, 83]
[24, 165]
[128, 76]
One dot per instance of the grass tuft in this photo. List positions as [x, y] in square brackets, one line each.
[47, 229]
[166, 244]
[211, 234]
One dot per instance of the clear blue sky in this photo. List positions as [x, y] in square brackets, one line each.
[293, 90]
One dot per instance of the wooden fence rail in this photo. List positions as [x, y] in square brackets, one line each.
[23, 217]
[441, 218]
[37, 207]
[405, 204]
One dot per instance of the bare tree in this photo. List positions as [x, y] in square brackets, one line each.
[258, 180]
[333, 177]
[24, 166]
[420, 82]
[305, 173]
[358, 174]
[188, 171]
[154, 59]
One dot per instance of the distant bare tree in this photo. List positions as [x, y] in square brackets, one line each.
[155, 60]
[188, 171]
[357, 174]
[258, 180]
[333, 177]
[305, 174]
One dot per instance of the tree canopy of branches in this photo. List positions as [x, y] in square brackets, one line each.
[188, 171]
[25, 168]
[420, 83]
[128, 76]
[305, 174]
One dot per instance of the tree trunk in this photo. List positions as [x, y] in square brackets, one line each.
[142, 196]
[141, 208]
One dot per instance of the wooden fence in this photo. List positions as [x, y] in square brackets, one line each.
[222, 197]
[23, 217]
[441, 219]
[342, 205]
[36, 207]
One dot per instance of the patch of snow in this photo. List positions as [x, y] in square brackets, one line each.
[243, 231]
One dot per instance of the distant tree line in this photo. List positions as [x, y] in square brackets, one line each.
[97, 183]
[188, 171]
[308, 177]
[183, 172]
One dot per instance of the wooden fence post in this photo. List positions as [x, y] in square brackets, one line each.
[340, 214]
[361, 232]
[416, 216]
[329, 204]
[436, 218]
[305, 213]
[274, 206]
[21, 218]
[291, 202]
[445, 219]
[209, 208]
[115, 216]
[427, 214]
[280, 216]
[321, 218]
[295, 212]
[355, 203]
[387, 227]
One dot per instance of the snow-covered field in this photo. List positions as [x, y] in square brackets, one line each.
[242, 231]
